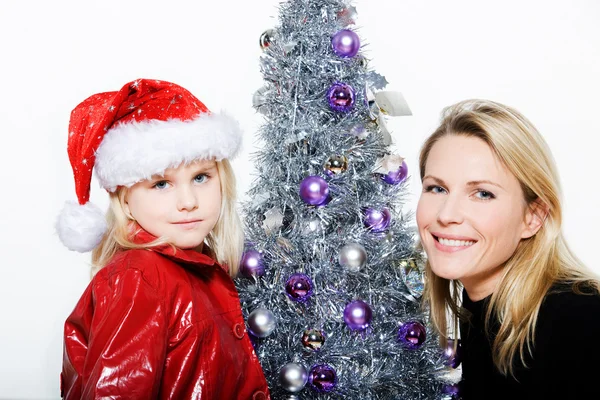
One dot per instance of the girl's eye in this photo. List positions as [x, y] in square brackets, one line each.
[161, 185]
[200, 178]
[435, 189]
[485, 195]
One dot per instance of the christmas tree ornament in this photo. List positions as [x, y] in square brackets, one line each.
[266, 38]
[341, 97]
[358, 315]
[335, 165]
[313, 339]
[299, 287]
[345, 43]
[261, 322]
[252, 264]
[322, 378]
[376, 220]
[359, 130]
[273, 220]
[353, 256]
[413, 277]
[259, 98]
[451, 391]
[293, 377]
[314, 190]
[347, 16]
[312, 225]
[453, 356]
[392, 168]
[412, 334]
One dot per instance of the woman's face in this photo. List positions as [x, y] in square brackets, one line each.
[182, 205]
[471, 214]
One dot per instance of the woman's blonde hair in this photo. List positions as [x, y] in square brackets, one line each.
[225, 242]
[539, 261]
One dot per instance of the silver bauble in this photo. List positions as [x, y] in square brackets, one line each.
[353, 256]
[293, 377]
[261, 322]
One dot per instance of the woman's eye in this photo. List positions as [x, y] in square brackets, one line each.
[160, 185]
[485, 195]
[435, 189]
[200, 178]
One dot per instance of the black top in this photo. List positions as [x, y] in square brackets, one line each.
[566, 355]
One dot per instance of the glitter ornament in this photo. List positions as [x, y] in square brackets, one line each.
[335, 165]
[299, 287]
[376, 220]
[412, 334]
[313, 339]
[266, 38]
[322, 378]
[252, 264]
[345, 43]
[358, 315]
[453, 357]
[353, 256]
[314, 190]
[413, 277]
[398, 176]
[341, 97]
[261, 322]
[293, 377]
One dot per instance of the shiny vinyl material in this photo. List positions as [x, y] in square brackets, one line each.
[160, 324]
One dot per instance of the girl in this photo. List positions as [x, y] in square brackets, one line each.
[161, 317]
[489, 218]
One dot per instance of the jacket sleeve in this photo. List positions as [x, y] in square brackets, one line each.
[115, 340]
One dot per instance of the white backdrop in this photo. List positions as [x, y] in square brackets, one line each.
[542, 57]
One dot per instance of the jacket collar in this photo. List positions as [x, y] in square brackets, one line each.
[190, 256]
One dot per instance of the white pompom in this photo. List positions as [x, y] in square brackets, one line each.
[81, 227]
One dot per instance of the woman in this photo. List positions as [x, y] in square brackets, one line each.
[498, 267]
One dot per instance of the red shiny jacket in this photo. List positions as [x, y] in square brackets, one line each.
[160, 324]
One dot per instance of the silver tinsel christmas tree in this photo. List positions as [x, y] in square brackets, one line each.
[330, 280]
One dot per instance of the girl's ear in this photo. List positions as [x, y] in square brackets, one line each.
[535, 216]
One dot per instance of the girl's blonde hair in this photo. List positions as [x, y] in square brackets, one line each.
[225, 242]
[539, 261]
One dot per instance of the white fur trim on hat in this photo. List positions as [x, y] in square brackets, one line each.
[133, 152]
[81, 227]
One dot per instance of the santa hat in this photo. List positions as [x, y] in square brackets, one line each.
[130, 135]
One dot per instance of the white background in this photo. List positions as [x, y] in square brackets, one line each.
[542, 57]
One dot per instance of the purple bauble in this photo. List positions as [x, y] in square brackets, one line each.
[314, 190]
[398, 176]
[376, 220]
[322, 378]
[452, 390]
[252, 264]
[341, 97]
[358, 315]
[412, 334]
[345, 43]
[453, 358]
[299, 287]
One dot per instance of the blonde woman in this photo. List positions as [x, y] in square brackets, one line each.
[499, 269]
[161, 318]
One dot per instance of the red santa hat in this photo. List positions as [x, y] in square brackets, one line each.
[130, 135]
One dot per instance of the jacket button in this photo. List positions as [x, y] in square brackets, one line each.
[239, 330]
[260, 395]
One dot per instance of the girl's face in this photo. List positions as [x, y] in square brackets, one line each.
[471, 214]
[183, 205]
